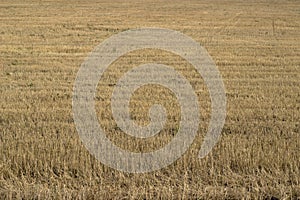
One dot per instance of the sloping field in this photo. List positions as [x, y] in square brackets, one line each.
[255, 45]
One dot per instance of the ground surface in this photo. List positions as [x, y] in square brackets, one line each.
[255, 46]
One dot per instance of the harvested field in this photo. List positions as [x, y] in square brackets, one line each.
[255, 45]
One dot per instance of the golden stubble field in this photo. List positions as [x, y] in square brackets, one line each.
[255, 45]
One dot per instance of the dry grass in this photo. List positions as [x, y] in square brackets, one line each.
[256, 48]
